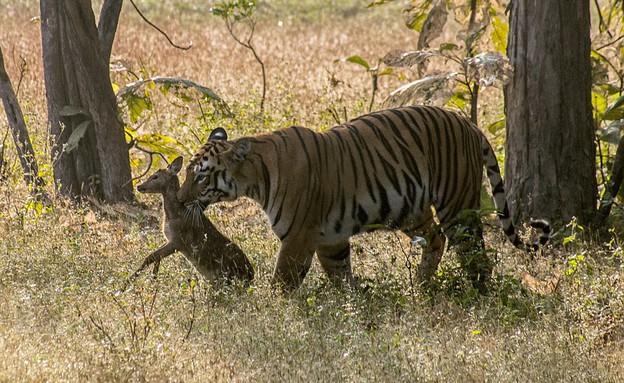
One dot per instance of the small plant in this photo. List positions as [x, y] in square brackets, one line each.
[472, 71]
[374, 72]
[238, 12]
[137, 100]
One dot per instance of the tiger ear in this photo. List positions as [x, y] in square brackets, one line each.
[218, 134]
[237, 153]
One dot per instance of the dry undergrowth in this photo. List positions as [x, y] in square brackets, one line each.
[64, 318]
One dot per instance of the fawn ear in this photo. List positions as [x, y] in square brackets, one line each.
[219, 134]
[175, 167]
[237, 152]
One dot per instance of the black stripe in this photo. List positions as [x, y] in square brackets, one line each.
[341, 255]
[384, 209]
[267, 184]
[405, 211]
[390, 172]
[499, 188]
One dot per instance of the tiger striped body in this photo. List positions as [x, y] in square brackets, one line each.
[387, 168]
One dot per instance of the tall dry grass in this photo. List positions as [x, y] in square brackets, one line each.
[63, 316]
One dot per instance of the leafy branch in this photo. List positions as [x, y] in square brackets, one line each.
[137, 100]
[238, 12]
[372, 70]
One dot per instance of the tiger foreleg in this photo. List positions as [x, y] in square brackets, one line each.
[336, 262]
[293, 263]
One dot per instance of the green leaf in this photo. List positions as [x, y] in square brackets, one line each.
[448, 47]
[136, 106]
[615, 111]
[416, 23]
[415, 16]
[427, 89]
[399, 58]
[612, 132]
[160, 143]
[72, 110]
[499, 34]
[477, 32]
[76, 135]
[433, 25]
[496, 126]
[377, 3]
[460, 98]
[169, 82]
[599, 104]
[356, 60]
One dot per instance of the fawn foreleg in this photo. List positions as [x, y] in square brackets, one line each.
[156, 257]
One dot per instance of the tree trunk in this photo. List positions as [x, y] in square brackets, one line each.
[550, 152]
[23, 145]
[78, 90]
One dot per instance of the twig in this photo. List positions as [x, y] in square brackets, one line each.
[609, 43]
[408, 264]
[248, 45]
[192, 322]
[601, 24]
[101, 328]
[160, 30]
[131, 321]
[23, 71]
[151, 155]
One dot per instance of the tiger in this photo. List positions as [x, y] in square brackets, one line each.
[413, 169]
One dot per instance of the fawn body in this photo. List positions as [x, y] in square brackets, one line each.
[211, 253]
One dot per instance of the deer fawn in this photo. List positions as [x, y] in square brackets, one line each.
[212, 254]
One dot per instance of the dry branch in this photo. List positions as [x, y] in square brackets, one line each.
[20, 134]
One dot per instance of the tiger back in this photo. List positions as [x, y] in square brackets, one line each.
[384, 169]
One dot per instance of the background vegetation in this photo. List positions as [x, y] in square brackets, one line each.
[63, 316]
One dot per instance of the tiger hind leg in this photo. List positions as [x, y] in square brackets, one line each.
[336, 262]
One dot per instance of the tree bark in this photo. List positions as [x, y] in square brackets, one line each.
[20, 135]
[77, 76]
[107, 26]
[550, 152]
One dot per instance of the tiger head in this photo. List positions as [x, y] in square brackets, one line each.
[210, 175]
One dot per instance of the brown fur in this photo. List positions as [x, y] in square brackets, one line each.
[213, 255]
[386, 169]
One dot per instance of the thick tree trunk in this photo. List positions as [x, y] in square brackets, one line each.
[550, 152]
[77, 76]
[23, 145]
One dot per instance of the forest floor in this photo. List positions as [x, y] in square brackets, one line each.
[64, 315]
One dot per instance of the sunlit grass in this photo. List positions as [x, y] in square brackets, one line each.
[65, 317]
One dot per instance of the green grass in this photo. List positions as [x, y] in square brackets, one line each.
[65, 317]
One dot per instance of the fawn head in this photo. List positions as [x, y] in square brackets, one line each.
[158, 181]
